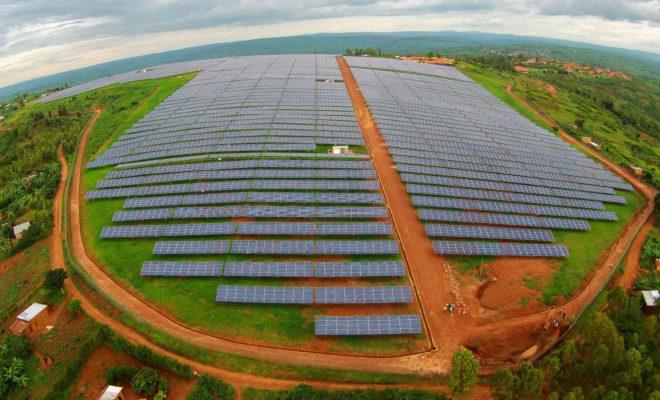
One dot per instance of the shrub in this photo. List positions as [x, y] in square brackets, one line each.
[209, 388]
[147, 381]
[120, 373]
[55, 279]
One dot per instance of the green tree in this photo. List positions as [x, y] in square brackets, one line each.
[463, 377]
[75, 306]
[529, 382]
[504, 382]
[55, 279]
[579, 124]
[148, 382]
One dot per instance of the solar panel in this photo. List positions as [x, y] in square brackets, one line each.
[485, 232]
[502, 219]
[500, 249]
[338, 247]
[264, 294]
[363, 295]
[367, 325]
[192, 247]
[272, 247]
[181, 268]
[362, 269]
[269, 269]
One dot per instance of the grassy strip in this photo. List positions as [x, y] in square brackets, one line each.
[309, 393]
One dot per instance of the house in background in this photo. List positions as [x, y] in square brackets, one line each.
[112, 393]
[31, 319]
[20, 228]
[651, 300]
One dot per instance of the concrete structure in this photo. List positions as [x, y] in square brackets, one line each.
[31, 319]
[112, 393]
[20, 228]
[339, 149]
[651, 299]
[637, 170]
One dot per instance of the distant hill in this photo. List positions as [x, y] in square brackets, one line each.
[451, 43]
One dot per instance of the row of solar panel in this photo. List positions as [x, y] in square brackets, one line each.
[248, 228]
[306, 212]
[255, 197]
[486, 232]
[489, 176]
[311, 295]
[510, 187]
[367, 325]
[231, 186]
[105, 161]
[502, 219]
[267, 140]
[238, 174]
[278, 247]
[558, 174]
[239, 156]
[241, 164]
[482, 194]
[303, 269]
[514, 208]
[500, 249]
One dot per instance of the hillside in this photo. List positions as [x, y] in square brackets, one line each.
[450, 43]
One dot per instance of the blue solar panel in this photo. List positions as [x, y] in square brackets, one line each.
[269, 269]
[181, 268]
[264, 294]
[363, 295]
[500, 249]
[485, 232]
[367, 325]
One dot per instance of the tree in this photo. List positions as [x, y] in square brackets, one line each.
[348, 52]
[464, 367]
[579, 124]
[61, 110]
[529, 382]
[55, 279]
[504, 381]
[148, 382]
[75, 306]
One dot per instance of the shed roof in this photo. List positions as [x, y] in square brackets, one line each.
[21, 227]
[111, 392]
[651, 297]
[29, 313]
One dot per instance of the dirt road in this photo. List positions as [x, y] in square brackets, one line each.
[424, 266]
[632, 258]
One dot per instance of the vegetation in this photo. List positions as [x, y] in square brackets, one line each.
[55, 280]
[612, 354]
[649, 277]
[14, 354]
[148, 381]
[305, 392]
[463, 377]
[20, 281]
[209, 388]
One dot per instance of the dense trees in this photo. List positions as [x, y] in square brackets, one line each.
[209, 388]
[463, 377]
[14, 353]
[612, 354]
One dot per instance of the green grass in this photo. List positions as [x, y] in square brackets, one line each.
[21, 280]
[586, 248]
[193, 300]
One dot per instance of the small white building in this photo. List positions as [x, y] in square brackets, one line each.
[651, 299]
[339, 149]
[31, 319]
[112, 393]
[20, 228]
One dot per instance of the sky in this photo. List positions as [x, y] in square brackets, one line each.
[42, 37]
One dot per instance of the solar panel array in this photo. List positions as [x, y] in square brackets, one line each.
[239, 154]
[312, 295]
[474, 164]
[367, 325]
[262, 269]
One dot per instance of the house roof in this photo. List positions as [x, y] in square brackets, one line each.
[111, 392]
[651, 297]
[21, 227]
[29, 313]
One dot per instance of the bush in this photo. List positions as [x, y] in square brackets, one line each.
[147, 381]
[209, 388]
[120, 373]
[55, 280]
[75, 306]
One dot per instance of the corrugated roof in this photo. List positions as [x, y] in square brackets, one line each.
[21, 227]
[29, 313]
[651, 297]
[111, 393]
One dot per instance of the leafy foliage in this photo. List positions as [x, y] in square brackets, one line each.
[463, 377]
[147, 381]
[305, 392]
[55, 279]
[209, 388]
[14, 351]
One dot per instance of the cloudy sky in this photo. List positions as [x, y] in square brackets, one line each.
[41, 37]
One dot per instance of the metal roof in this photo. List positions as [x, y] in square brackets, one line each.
[29, 313]
[111, 392]
[651, 297]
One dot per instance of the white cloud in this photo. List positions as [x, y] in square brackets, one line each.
[76, 34]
